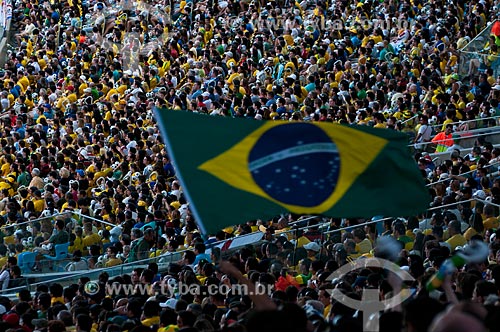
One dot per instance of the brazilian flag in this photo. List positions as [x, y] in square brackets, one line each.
[234, 170]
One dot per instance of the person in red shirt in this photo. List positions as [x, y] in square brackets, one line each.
[444, 139]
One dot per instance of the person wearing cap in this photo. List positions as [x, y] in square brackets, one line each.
[205, 100]
[83, 86]
[229, 60]
[39, 324]
[381, 50]
[313, 250]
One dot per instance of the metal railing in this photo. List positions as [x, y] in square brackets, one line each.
[410, 119]
[389, 218]
[66, 278]
[462, 174]
[461, 137]
[496, 117]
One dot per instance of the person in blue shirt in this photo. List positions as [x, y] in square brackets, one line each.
[355, 41]
[168, 167]
[197, 91]
[139, 224]
[199, 250]
[154, 224]
[55, 15]
[47, 112]
[14, 89]
[281, 106]
[20, 128]
[474, 88]
[271, 100]
[311, 86]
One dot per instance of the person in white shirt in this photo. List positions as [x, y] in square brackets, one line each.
[78, 263]
[4, 101]
[28, 29]
[424, 134]
[5, 273]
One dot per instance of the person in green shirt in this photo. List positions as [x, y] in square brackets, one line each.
[24, 178]
[60, 236]
[304, 272]
[399, 231]
[139, 249]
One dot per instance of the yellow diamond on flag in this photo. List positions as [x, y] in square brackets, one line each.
[303, 167]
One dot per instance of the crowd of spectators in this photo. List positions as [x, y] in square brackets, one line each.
[83, 162]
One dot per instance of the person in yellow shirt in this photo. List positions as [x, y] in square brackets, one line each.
[102, 169]
[491, 79]
[350, 249]
[450, 116]
[83, 85]
[90, 237]
[23, 81]
[9, 237]
[71, 94]
[490, 220]
[168, 322]
[456, 238]
[7, 160]
[300, 240]
[112, 260]
[56, 293]
[150, 314]
[109, 92]
[162, 248]
[492, 56]
[380, 121]
[477, 227]
[324, 297]
[69, 197]
[77, 242]
[363, 244]
[27, 100]
[38, 201]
